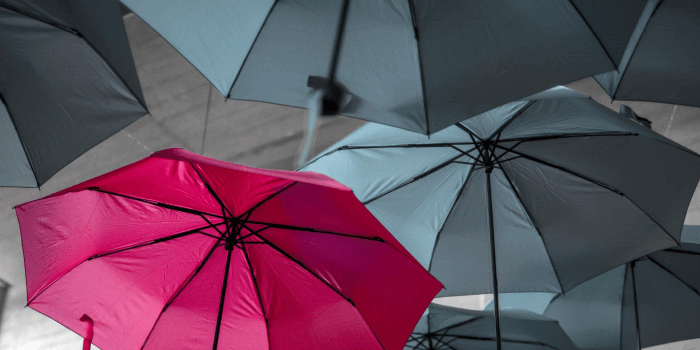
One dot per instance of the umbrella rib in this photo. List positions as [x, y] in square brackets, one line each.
[466, 153]
[674, 275]
[468, 131]
[306, 229]
[566, 136]
[459, 195]
[158, 204]
[680, 251]
[406, 145]
[158, 240]
[615, 66]
[439, 340]
[257, 289]
[528, 157]
[249, 211]
[224, 209]
[503, 339]
[414, 22]
[221, 301]
[24, 148]
[184, 285]
[636, 308]
[278, 249]
[436, 168]
[534, 223]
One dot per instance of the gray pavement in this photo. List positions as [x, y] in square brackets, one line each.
[244, 132]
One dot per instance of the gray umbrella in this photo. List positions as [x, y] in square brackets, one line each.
[450, 328]
[67, 82]
[660, 63]
[415, 64]
[647, 302]
[537, 195]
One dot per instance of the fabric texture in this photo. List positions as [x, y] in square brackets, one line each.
[179, 250]
[577, 190]
[413, 64]
[67, 83]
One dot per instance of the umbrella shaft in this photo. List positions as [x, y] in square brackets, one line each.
[496, 310]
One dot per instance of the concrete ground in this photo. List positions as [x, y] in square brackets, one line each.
[248, 133]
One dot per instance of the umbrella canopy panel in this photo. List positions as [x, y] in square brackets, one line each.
[416, 65]
[659, 63]
[577, 190]
[449, 328]
[180, 251]
[60, 93]
[650, 301]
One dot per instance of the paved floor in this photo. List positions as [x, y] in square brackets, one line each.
[248, 133]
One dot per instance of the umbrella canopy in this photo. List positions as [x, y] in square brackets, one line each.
[659, 63]
[413, 64]
[67, 82]
[450, 328]
[181, 251]
[647, 302]
[576, 190]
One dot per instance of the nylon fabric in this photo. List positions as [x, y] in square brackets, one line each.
[595, 216]
[15, 170]
[533, 302]
[47, 64]
[139, 242]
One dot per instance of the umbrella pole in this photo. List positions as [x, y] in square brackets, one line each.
[496, 310]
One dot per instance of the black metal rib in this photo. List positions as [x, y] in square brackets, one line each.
[307, 229]
[224, 209]
[19, 136]
[584, 177]
[278, 249]
[468, 131]
[515, 115]
[249, 211]
[257, 289]
[674, 275]
[414, 22]
[534, 224]
[228, 95]
[221, 301]
[567, 136]
[636, 309]
[430, 171]
[437, 237]
[407, 145]
[158, 240]
[184, 285]
[466, 153]
[159, 204]
[439, 340]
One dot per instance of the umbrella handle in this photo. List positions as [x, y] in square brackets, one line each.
[87, 341]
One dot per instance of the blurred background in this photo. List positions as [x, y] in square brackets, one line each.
[186, 112]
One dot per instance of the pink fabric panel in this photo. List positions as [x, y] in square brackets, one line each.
[123, 293]
[241, 190]
[327, 209]
[302, 176]
[380, 280]
[190, 321]
[157, 179]
[303, 312]
[58, 233]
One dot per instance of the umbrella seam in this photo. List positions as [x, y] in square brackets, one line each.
[595, 35]
[414, 22]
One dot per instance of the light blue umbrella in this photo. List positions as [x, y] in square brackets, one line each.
[419, 65]
[450, 328]
[537, 195]
[649, 301]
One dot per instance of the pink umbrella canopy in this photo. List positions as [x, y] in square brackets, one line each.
[180, 251]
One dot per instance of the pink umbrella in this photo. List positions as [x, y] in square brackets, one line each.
[180, 251]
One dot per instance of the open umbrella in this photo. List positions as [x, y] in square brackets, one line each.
[647, 302]
[535, 195]
[67, 82]
[181, 251]
[414, 64]
[659, 62]
[450, 328]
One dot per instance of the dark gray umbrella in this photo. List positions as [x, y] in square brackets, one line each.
[537, 195]
[450, 328]
[67, 82]
[415, 64]
[661, 62]
[647, 302]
